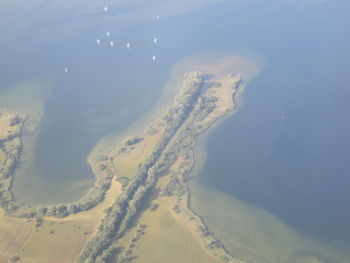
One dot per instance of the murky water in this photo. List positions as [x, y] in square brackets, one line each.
[284, 152]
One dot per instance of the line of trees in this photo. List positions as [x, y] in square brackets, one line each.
[95, 196]
[119, 217]
[10, 148]
[189, 109]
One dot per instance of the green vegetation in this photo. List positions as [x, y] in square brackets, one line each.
[15, 259]
[126, 206]
[181, 124]
[174, 187]
[10, 147]
[164, 150]
[11, 125]
[95, 197]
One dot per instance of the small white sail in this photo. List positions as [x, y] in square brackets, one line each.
[65, 70]
[112, 43]
[128, 45]
[105, 8]
[157, 17]
[155, 40]
[108, 34]
[97, 41]
[154, 58]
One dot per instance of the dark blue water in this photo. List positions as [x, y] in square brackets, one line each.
[287, 150]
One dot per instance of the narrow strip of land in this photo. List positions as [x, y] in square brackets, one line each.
[141, 198]
[160, 160]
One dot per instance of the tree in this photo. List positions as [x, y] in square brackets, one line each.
[15, 259]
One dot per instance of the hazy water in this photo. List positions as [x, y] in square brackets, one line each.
[296, 167]
[85, 107]
[104, 91]
[287, 150]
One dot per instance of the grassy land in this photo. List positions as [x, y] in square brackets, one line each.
[126, 162]
[14, 233]
[56, 240]
[166, 230]
[167, 236]
[53, 239]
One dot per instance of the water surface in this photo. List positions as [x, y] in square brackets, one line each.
[285, 152]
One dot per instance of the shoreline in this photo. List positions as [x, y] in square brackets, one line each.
[179, 126]
[210, 237]
[11, 147]
[216, 249]
[165, 100]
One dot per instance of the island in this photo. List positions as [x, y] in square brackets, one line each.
[140, 208]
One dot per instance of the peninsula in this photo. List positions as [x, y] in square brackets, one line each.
[154, 168]
[141, 199]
